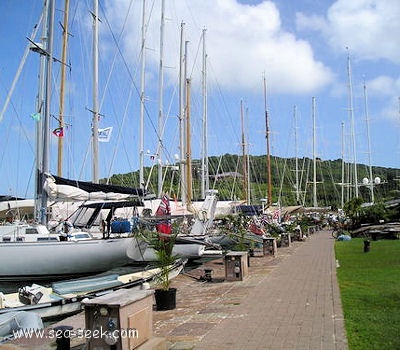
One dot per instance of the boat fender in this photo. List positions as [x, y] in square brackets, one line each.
[2, 300]
[145, 285]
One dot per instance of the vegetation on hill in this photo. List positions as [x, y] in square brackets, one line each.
[226, 176]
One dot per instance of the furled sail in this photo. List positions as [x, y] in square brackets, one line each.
[61, 189]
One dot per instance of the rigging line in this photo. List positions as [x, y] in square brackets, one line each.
[199, 45]
[306, 165]
[289, 178]
[20, 67]
[224, 102]
[84, 159]
[117, 42]
[24, 131]
[131, 77]
[234, 179]
[282, 179]
[118, 138]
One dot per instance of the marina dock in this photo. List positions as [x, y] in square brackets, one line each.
[290, 301]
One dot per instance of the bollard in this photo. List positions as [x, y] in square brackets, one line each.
[366, 246]
[63, 340]
[250, 253]
[207, 275]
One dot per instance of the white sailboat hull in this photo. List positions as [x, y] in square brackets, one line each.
[34, 260]
[183, 251]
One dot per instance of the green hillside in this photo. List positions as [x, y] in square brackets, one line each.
[226, 176]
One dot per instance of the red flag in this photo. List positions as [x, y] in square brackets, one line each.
[164, 209]
[59, 132]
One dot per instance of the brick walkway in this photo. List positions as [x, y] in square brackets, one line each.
[296, 306]
[285, 303]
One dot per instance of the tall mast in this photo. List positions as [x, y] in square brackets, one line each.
[296, 155]
[47, 104]
[142, 86]
[371, 180]
[95, 121]
[182, 76]
[248, 159]
[343, 163]
[63, 69]
[204, 156]
[161, 101]
[267, 136]
[188, 146]
[315, 204]
[353, 137]
[246, 193]
[40, 109]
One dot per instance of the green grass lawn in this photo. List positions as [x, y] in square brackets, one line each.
[370, 292]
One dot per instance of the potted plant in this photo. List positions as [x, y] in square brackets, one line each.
[163, 245]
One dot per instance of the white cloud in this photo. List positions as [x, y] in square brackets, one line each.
[369, 28]
[384, 86]
[243, 41]
[312, 22]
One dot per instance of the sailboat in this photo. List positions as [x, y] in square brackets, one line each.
[47, 259]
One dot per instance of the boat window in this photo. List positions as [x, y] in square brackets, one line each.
[81, 236]
[7, 239]
[31, 231]
[20, 239]
[44, 239]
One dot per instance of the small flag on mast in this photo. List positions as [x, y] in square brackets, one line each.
[105, 134]
[59, 132]
[35, 116]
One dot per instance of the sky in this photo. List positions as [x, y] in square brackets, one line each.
[305, 50]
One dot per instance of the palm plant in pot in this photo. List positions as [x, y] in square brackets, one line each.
[163, 245]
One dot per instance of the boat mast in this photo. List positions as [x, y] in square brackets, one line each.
[188, 146]
[142, 86]
[248, 157]
[182, 77]
[343, 164]
[371, 180]
[40, 110]
[204, 157]
[63, 69]
[315, 204]
[267, 137]
[95, 120]
[353, 137]
[161, 101]
[246, 193]
[47, 104]
[296, 155]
